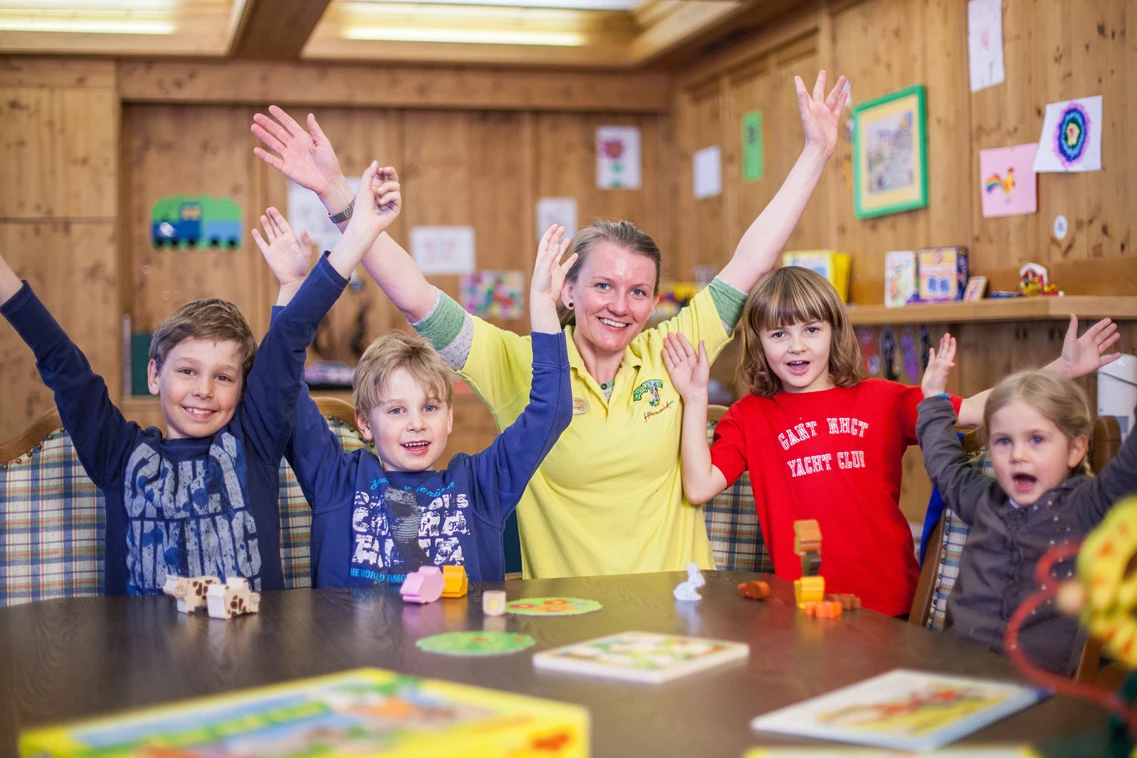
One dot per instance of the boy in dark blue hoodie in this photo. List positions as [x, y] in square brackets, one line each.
[376, 518]
[201, 500]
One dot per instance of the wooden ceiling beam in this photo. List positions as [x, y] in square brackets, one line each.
[274, 30]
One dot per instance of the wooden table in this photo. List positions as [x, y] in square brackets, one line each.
[65, 659]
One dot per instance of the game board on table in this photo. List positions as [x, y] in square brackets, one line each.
[368, 712]
[906, 710]
[641, 656]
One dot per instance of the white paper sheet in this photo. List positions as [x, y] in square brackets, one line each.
[1071, 137]
[443, 249]
[708, 172]
[985, 43]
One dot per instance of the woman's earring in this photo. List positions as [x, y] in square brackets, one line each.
[570, 306]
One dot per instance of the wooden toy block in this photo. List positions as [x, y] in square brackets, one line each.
[823, 610]
[493, 602]
[455, 581]
[232, 598]
[423, 586]
[807, 536]
[809, 589]
[190, 591]
[848, 601]
[756, 590]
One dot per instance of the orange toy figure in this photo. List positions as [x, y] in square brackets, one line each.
[754, 590]
[826, 609]
[455, 581]
[807, 545]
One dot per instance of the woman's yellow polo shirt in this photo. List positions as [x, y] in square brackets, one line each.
[609, 497]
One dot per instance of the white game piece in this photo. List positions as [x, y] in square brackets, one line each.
[232, 599]
[689, 590]
[493, 602]
[190, 591]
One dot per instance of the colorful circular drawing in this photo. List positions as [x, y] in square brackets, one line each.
[475, 643]
[1072, 136]
[552, 606]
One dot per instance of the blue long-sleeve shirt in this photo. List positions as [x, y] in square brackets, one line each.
[193, 507]
[371, 526]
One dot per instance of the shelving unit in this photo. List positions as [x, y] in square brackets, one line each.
[1011, 309]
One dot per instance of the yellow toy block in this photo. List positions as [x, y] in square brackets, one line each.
[456, 582]
[807, 537]
[809, 589]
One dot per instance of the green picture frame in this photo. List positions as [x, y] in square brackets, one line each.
[890, 153]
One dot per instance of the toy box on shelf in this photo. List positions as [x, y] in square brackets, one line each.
[831, 264]
[943, 273]
[900, 280]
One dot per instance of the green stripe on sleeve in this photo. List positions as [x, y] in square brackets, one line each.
[728, 300]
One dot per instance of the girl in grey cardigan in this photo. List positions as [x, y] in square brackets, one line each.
[1038, 429]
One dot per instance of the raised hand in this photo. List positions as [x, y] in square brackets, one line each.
[303, 155]
[940, 365]
[821, 114]
[690, 371]
[548, 279]
[288, 257]
[1084, 356]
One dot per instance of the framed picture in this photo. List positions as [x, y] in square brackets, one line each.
[890, 153]
[976, 286]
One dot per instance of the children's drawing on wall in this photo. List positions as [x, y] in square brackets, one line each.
[1009, 184]
[200, 222]
[617, 157]
[556, 210]
[890, 149]
[494, 294]
[985, 43]
[753, 148]
[443, 249]
[1071, 137]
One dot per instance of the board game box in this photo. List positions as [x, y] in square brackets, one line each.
[641, 656]
[365, 712]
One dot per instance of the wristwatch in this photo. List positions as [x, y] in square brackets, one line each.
[343, 215]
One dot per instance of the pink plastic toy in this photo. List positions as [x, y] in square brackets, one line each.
[423, 586]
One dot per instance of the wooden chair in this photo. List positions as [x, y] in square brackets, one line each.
[732, 523]
[941, 558]
[51, 517]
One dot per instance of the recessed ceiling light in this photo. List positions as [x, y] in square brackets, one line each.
[465, 36]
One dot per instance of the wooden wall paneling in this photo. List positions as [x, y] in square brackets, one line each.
[394, 86]
[359, 136]
[72, 266]
[182, 150]
[59, 152]
[54, 73]
[713, 240]
[565, 156]
[749, 89]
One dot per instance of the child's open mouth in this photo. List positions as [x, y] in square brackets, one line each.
[798, 367]
[1024, 482]
[416, 448]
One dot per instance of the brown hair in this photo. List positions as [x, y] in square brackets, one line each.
[393, 351]
[623, 234]
[789, 296]
[1054, 396]
[205, 319]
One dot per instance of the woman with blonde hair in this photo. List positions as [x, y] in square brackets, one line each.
[609, 498]
[820, 441]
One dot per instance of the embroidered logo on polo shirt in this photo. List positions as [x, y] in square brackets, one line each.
[652, 387]
[579, 406]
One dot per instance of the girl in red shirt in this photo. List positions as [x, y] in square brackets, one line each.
[821, 441]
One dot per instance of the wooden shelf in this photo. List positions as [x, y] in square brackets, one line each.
[1010, 309]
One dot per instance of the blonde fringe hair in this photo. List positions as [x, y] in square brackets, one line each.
[789, 296]
[205, 319]
[1054, 396]
[391, 352]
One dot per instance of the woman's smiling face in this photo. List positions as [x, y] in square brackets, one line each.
[613, 296]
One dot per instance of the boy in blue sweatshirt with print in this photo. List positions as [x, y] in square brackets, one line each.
[373, 521]
[203, 499]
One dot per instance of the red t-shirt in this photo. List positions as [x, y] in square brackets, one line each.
[834, 456]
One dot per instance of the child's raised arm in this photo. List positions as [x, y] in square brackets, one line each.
[960, 483]
[1080, 356]
[690, 373]
[758, 250]
[548, 278]
[306, 157]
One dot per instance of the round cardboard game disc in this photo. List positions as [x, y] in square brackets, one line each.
[552, 606]
[475, 643]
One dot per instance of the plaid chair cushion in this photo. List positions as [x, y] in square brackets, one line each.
[51, 525]
[732, 524]
[955, 534]
[296, 515]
